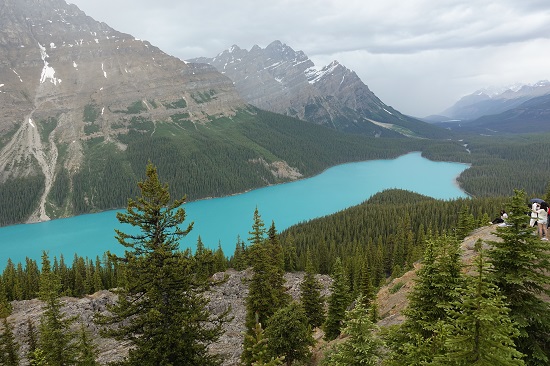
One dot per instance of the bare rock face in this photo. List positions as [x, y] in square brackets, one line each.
[285, 81]
[229, 294]
[66, 78]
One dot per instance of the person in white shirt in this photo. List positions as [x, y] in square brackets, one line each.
[534, 215]
[542, 221]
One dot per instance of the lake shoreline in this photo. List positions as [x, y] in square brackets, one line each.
[31, 221]
[220, 221]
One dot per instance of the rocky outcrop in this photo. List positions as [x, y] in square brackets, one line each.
[229, 294]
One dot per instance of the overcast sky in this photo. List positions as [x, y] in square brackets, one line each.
[419, 56]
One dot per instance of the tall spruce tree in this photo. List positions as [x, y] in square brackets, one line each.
[239, 260]
[466, 223]
[310, 296]
[9, 348]
[56, 338]
[289, 334]
[258, 351]
[360, 346]
[161, 310]
[479, 331]
[368, 293]
[266, 291]
[85, 348]
[266, 288]
[5, 305]
[338, 301]
[31, 336]
[521, 267]
[275, 248]
[290, 255]
[420, 338]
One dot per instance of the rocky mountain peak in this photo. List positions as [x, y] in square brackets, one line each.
[282, 80]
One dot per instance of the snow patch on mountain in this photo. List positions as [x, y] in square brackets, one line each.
[327, 70]
[48, 72]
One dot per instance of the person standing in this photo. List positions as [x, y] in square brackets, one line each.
[542, 221]
[534, 207]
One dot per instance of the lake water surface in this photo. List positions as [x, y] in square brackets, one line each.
[221, 220]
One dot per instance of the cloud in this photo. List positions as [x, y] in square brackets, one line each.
[401, 49]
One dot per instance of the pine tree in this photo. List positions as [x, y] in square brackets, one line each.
[266, 291]
[257, 235]
[161, 309]
[56, 338]
[9, 348]
[220, 261]
[290, 255]
[239, 261]
[275, 248]
[32, 278]
[521, 265]
[98, 280]
[421, 338]
[360, 345]
[8, 279]
[258, 351]
[32, 338]
[204, 260]
[85, 349]
[338, 301]
[466, 223]
[366, 289]
[289, 335]
[5, 305]
[479, 329]
[435, 289]
[367, 292]
[310, 297]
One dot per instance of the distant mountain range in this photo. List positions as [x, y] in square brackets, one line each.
[281, 80]
[515, 109]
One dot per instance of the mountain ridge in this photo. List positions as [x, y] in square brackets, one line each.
[491, 101]
[282, 80]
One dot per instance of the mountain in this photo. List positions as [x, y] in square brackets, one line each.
[66, 79]
[532, 116]
[56, 61]
[492, 101]
[85, 107]
[281, 80]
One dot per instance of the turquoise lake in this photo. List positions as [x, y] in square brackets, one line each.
[221, 220]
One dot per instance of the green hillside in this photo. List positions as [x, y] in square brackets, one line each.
[234, 154]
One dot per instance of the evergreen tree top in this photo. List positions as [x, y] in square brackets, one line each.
[157, 218]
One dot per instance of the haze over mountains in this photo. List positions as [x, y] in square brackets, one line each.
[519, 108]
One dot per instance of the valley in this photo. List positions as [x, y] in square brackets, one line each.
[99, 128]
